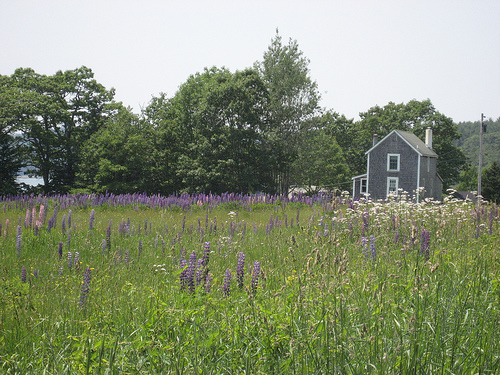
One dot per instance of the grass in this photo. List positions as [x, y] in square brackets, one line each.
[327, 300]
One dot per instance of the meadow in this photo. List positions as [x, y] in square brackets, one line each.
[234, 284]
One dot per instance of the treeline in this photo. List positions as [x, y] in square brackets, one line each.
[257, 130]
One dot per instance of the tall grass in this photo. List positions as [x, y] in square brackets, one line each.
[344, 287]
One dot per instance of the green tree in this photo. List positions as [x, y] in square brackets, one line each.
[216, 118]
[468, 179]
[10, 156]
[490, 183]
[119, 157]
[320, 163]
[293, 99]
[415, 116]
[56, 115]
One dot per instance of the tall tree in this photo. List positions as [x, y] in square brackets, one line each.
[10, 156]
[119, 157]
[293, 98]
[415, 116]
[217, 119]
[55, 115]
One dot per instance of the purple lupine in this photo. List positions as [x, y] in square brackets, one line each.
[23, 274]
[60, 250]
[103, 246]
[372, 248]
[140, 248]
[199, 272]
[85, 289]
[425, 237]
[69, 241]
[183, 275]
[396, 236]
[240, 270]
[69, 219]
[70, 260]
[226, 288]
[190, 270]
[297, 219]
[63, 224]
[365, 246]
[255, 277]
[206, 253]
[76, 260]
[127, 256]
[91, 220]
[35, 273]
[208, 283]
[108, 237]
[18, 241]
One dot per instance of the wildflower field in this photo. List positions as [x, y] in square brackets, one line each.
[234, 284]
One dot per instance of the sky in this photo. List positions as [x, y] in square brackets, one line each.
[362, 53]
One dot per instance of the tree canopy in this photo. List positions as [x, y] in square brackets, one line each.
[54, 116]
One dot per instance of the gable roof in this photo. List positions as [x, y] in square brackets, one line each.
[412, 140]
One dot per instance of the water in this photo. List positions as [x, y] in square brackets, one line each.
[32, 181]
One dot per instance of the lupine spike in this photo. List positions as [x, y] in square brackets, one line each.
[255, 277]
[240, 270]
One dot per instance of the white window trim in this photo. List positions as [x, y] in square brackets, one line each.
[389, 184]
[361, 190]
[389, 162]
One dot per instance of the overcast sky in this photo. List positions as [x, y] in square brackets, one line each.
[362, 53]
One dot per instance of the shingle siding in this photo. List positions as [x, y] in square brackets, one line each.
[378, 173]
[415, 164]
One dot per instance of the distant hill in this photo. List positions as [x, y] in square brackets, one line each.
[469, 142]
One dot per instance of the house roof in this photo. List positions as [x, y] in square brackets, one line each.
[412, 140]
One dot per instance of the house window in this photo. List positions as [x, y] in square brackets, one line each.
[393, 162]
[363, 189]
[392, 185]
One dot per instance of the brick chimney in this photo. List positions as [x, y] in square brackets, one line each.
[375, 139]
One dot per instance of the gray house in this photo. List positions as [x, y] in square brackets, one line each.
[400, 162]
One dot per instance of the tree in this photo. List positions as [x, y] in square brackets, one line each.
[490, 183]
[293, 99]
[119, 157]
[468, 179]
[56, 115]
[320, 163]
[216, 118]
[10, 156]
[415, 116]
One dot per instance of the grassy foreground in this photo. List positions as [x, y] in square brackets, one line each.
[247, 285]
